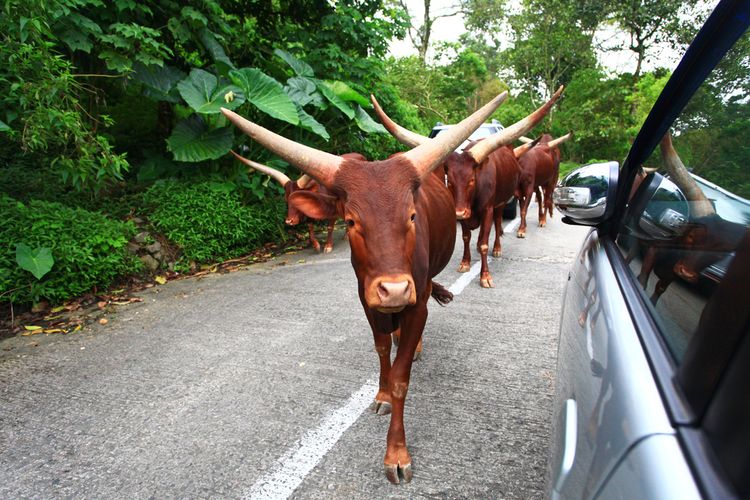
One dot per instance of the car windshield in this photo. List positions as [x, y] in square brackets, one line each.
[479, 133]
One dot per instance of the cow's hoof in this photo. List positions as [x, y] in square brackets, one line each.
[464, 267]
[316, 246]
[542, 224]
[520, 234]
[417, 355]
[381, 407]
[486, 281]
[395, 473]
[327, 249]
[497, 253]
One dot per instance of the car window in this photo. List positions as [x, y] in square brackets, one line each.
[688, 211]
[479, 133]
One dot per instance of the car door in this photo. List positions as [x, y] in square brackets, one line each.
[650, 398]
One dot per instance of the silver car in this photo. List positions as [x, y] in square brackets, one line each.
[653, 375]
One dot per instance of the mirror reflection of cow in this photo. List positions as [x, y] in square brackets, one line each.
[483, 178]
[540, 169]
[402, 230]
[705, 239]
[293, 215]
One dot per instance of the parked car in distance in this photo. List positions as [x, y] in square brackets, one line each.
[485, 130]
[652, 396]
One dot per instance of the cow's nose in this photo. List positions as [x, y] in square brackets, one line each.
[463, 214]
[394, 294]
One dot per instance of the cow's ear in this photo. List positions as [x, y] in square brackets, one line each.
[315, 205]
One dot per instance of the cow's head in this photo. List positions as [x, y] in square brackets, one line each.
[376, 199]
[461, 167]
[293, 215]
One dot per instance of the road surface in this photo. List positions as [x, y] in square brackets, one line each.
[255, 384]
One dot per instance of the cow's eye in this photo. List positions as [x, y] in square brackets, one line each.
[413, 216]
[350, 222]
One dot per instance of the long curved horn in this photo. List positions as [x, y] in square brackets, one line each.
[320, 165]
[483, 148]
[525, 139]
[303, 181]
[700, 206]
[280, 177]
[520, 150]
[404, 136]
[559, 140]
[428, 156]
[648, 170]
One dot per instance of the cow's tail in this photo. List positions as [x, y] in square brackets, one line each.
[441, 294]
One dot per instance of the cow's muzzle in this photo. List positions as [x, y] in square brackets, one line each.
[392, 294]
[463, 214]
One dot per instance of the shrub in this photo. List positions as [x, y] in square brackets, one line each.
[209, 221]
[89, 250]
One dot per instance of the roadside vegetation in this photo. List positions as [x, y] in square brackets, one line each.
[114, 156]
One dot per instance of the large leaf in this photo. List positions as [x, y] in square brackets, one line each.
[307, 122]
[346, 93]
[159, 81]
[301, 90]
[335, 99]
[200, 90]
[265, 93]
[4, 126]
[223, 64]
[193, 141]
[368, 124]
[38, 262]
[301, 68]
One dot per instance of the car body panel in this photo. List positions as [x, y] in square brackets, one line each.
[601, 365]
[641, 474]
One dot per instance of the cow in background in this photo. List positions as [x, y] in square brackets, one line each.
[540, 169]
[402, 230]
[294, 216]
[483, 178]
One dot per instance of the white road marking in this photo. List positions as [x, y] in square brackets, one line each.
[302, 457]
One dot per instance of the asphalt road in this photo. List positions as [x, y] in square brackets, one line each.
[256, 383]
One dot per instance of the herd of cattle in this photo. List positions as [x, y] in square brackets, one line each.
[400, 216]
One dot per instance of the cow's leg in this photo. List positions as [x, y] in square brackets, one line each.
[329, 240]
[659, 289]
[382, 403]
[647, 265]
[485, 280]
[313, 241]
[397, 460]
[541, 202]
[524, 201]
[466, 259]
[397, 338]
[548, 190]
[497, 248]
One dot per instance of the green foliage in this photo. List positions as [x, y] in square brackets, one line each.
[42, 100]
[88, 250]
[209, 220]
[38, 261]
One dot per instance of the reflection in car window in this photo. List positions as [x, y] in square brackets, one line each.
[686, 219]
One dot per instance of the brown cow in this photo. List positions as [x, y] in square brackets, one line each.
[294, 216]
[483, 178]
[402, 231]
[540, 169]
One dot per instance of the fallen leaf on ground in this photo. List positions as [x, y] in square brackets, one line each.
[160, 279]
[103, 321]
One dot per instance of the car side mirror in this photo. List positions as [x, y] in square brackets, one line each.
[586, 195]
